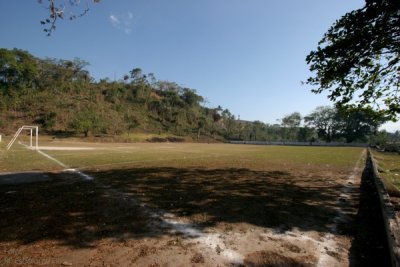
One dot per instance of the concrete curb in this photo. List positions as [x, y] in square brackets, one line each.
[282, 143]
[392, 225]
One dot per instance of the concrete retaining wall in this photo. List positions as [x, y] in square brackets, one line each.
[281, 143]
[392, 225]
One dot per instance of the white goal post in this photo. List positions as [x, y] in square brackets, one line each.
[31, 129]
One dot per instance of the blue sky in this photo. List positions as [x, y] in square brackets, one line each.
[247, 56]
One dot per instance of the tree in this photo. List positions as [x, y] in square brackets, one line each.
[380, 139]
[323, 119]
[291, 124]
[131, 121]
[201, 124]
[306, 134]
[357, 125]
[358, 60]
[86, 121]
[190, 97]
[18, 69]
[258, 128]
[351, 125]
[228, 120]
[137, 76]
[57, 11]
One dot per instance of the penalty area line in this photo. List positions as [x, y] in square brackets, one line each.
[52, 159]
[66, 168]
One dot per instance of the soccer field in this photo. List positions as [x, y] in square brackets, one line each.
[91, 156]
[178, 204]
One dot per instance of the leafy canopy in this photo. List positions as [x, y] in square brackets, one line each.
[358, 60]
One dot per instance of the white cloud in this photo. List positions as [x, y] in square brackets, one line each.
[114, 20]
[122, 22]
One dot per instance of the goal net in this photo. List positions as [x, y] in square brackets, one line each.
[32, 134]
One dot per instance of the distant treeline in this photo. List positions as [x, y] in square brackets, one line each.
[63, 99]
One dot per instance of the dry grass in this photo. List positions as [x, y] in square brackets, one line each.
[389, 166]
[122, 155]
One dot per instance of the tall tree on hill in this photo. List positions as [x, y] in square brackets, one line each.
[18, 69]
[358, 60]
[191, 98]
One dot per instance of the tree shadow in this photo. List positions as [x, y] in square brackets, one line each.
[78, 213]
[75, 212]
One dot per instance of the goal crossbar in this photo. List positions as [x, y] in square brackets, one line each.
[26, 127]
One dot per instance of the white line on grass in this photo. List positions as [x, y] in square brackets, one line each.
[67, 169]
[52, 159]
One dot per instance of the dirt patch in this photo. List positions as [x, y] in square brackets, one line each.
[171, 216]
[197, 258]
[273, 259]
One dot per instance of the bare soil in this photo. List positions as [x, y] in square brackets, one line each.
[169, 216]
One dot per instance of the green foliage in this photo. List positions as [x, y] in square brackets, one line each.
[18, 69]
[46, 120]
[354, 125]
[358, 62]
[86, 121]
[291, 124]
[292, 120]
[61, 97]
[190, 97]
[380, 139]
[323, 120]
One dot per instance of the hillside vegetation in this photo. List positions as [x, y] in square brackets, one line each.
[63, 99]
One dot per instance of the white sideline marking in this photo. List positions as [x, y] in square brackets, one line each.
[84, 175]
[52, 159]
[67, 169]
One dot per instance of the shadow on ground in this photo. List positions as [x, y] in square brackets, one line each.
[263, 198]
[78, 213]
[369, 247]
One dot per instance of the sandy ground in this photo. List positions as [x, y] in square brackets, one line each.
[180, 217]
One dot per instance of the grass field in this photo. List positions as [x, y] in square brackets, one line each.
[389, 164]
[178, 204]
[106, 156]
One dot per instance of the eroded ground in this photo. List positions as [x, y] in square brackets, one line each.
[185, 216]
